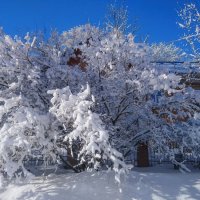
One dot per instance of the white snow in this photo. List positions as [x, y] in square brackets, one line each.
[141, 184]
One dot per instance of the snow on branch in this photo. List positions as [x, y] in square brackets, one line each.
[189, 22]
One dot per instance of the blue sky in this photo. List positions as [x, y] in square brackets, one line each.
[156, 18]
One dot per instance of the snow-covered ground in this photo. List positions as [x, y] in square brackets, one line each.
[141, 184]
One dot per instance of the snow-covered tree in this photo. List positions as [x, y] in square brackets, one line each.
[121, 80]
[27, 74]
[189, 22]
[24, 133]
[27, 133]
[84, 127]
[117, 19]
[162, 52]
[124, 88]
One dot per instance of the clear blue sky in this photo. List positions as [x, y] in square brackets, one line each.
[156, 18]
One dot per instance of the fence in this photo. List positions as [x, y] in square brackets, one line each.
[41, 161]
[156, 158]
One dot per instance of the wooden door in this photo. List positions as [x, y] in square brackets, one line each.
[142, 155]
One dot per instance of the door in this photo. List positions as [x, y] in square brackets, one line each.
[142, 155]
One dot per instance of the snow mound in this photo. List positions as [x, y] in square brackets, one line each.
[140, 185]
